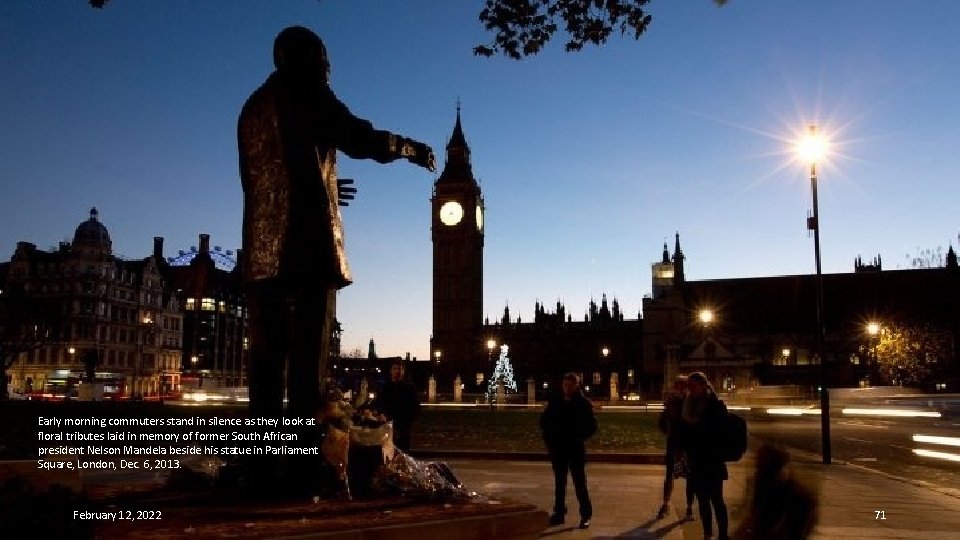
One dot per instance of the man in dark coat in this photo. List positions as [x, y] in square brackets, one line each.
[567, 423]
[293, 258]
[703, 417]
[398, 402]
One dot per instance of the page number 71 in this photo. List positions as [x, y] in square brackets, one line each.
[880, 514]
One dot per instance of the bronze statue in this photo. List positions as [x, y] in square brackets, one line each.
[293, 259]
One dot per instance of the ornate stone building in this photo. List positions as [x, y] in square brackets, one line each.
[119, 315]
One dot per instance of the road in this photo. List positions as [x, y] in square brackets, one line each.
[884, 445]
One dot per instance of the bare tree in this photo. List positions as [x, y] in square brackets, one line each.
[25, 326]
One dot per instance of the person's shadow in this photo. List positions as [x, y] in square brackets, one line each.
[641, 532]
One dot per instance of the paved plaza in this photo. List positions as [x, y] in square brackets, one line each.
[626, 499]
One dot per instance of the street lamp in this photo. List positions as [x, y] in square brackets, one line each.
[874, 329]
[812, 149]
[491, 344]
[705, 316]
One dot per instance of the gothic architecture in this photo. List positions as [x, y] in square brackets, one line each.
[457, 232]
[742, 332]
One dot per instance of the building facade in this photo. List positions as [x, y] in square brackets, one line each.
[215, 344]
[119, 316]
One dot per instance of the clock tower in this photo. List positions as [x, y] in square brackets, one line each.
[457, 232]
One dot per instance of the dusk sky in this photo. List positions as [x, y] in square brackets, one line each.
[587, 161]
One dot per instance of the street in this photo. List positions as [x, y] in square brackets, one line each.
[882, 444]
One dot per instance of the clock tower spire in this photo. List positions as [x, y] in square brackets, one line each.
[457, 214]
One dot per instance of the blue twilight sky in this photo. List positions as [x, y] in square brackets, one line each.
[587, 161]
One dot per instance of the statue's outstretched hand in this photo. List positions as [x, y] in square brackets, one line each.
[419, 154]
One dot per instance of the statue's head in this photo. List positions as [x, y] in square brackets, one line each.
[298, 49]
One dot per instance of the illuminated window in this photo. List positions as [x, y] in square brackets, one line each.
[629, 376]
[208, 304]
[479, 377]
[223, 307]
[597, 377]
[191, 303]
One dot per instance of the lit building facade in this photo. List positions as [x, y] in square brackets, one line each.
[117, 315]
[207, 284]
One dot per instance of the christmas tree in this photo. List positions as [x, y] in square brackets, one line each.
[503, 371]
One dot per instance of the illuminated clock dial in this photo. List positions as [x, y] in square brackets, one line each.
[451, 213]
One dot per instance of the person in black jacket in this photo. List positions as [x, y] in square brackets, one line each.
[567, 423]
[398, 401]
[703, 417]
[671, 424]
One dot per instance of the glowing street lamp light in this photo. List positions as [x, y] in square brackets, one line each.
[705, 316]
[873, 328]
[605, 351]
[813, 149]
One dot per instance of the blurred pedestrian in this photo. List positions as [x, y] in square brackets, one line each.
[781, 507]
[567, 423]
[704, 416]
[399, 402]
[671, 424]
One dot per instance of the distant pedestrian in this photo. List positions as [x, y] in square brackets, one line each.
[398, 402]
[704, 416]
[781, 507]
[671, 424]
[567, 423]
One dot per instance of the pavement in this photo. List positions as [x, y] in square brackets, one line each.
[626, 497]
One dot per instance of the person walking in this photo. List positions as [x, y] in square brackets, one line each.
[398, 402]
[567, 423]
[703, 416]
[671, 424]
[782, 507]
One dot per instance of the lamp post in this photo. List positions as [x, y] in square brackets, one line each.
[874, 329]
[812, 149]
[491, 345]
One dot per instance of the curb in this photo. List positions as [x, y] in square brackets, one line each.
[627, 459]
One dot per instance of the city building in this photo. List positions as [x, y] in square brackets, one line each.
[208, 287]
[746, 332]
[742, 332]
[116, 315]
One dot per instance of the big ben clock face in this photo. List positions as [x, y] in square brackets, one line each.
[479, 218]
[451, 213]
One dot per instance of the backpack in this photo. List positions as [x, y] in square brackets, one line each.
[733, 437]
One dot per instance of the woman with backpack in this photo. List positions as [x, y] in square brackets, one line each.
[704, 419]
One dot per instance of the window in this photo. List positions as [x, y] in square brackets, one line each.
[223, 307]
[207, 304]
[597, 377]
[629, 376]
[479, 377]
